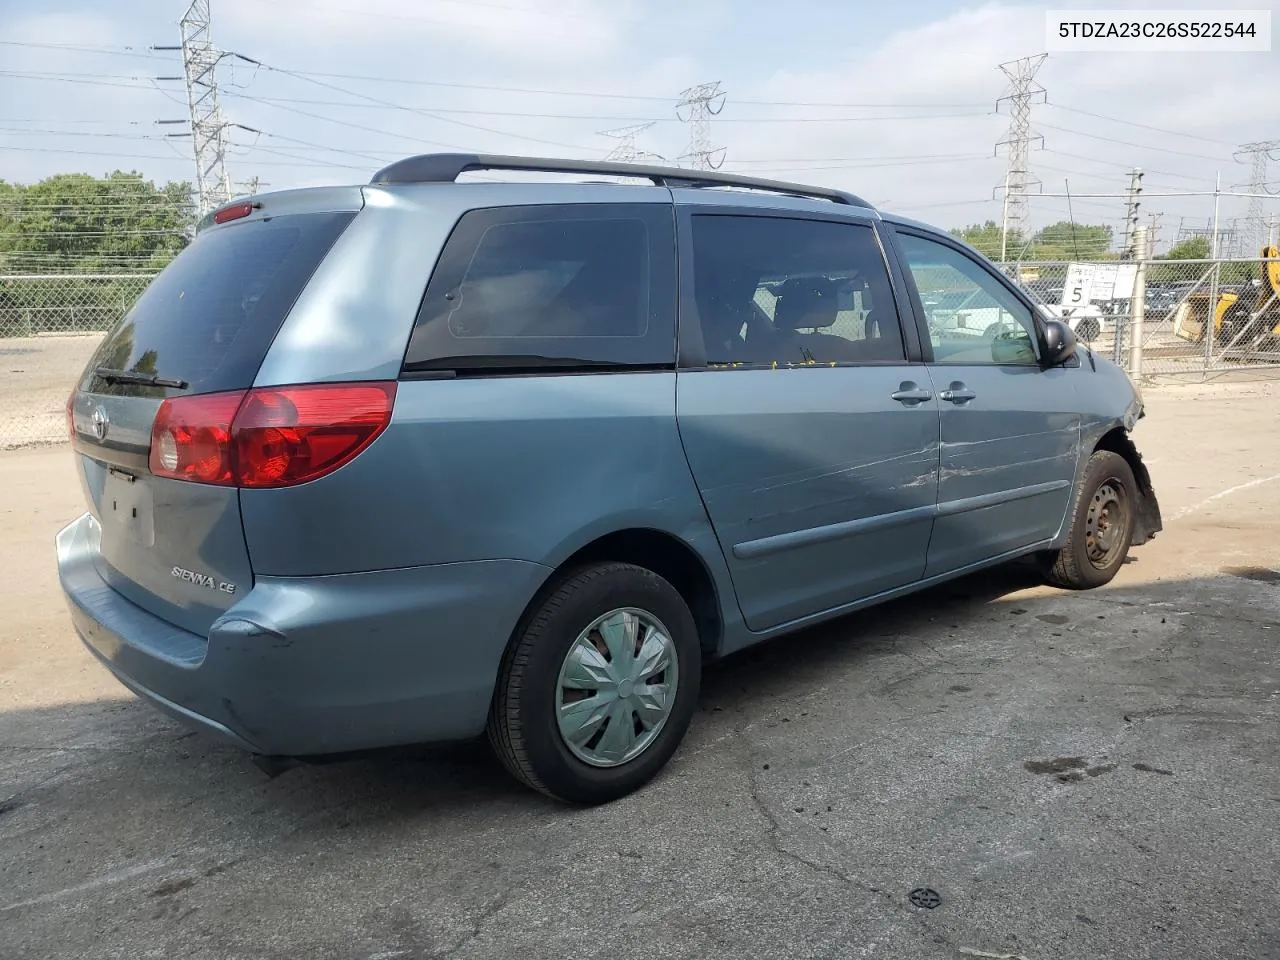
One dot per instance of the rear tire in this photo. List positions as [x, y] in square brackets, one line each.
[583, 709]
[1101, 527]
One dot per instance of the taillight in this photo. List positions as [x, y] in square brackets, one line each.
[191, 438]
[71, 414]
[288, 435]
[268, 437]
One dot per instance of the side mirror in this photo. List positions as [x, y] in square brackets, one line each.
[1059, 342]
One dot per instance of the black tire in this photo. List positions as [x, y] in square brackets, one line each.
[522, 726]
[1108, 496]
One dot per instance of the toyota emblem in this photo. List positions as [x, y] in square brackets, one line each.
[100, 423]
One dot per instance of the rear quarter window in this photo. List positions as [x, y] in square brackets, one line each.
[211, 315]
[551, 287]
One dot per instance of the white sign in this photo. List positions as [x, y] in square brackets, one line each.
[1097, 282]
[1077, 289]
[1114, 281]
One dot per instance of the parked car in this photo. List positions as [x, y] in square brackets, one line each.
[1162, 299]
[1087, 321]
[420, 460]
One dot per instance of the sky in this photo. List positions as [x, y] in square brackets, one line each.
[894, 101]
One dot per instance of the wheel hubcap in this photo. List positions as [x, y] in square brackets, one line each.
[616, 687]
[1105, 524]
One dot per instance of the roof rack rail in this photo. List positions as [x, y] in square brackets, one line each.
[447, 167]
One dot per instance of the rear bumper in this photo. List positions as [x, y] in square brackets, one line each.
[314, 665]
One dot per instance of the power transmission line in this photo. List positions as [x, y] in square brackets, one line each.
[701, 103]
[397, 106]
[153, 156]
[1120, 164]
[200, 59]
[81, 48]
[626, 149]
[1133, 123]
[532, 91]
[1018, 179]
[1259, 153]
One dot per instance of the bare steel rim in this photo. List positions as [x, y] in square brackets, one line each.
[1106, 522]
[616, 687]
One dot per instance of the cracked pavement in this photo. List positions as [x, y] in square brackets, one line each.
[1076, 775]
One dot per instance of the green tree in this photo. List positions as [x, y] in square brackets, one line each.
[1065, 240]
[1048, 251]
[79, 224]
[1199, 248]
[1192, 248]
[76, 223]
[987, 239]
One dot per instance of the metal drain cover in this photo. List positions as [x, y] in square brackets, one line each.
[925, 898]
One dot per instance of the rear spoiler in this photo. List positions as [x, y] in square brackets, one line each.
[281, 203]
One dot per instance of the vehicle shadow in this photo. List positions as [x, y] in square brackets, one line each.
[793, 660]
[112, 748]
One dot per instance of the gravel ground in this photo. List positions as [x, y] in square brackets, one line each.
[36, 375]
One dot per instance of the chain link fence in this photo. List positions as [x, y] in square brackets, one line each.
[50, 324]
[49, 327]
[1172, 326]
[1092, 310]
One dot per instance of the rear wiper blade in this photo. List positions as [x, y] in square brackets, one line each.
[133, 376]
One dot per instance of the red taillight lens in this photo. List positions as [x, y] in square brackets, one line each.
[191, 438]
[271, 437]
[288, 435]
[71, 415]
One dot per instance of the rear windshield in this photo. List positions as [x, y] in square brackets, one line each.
[210, 316]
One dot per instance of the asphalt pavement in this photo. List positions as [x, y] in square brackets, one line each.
[990, 768]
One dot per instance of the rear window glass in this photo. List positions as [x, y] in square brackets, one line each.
[210, 316]
[562, 287]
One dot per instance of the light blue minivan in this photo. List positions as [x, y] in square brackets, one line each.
[424, 459]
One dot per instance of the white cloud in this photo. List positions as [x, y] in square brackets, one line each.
[655, 48]
[532, 31]
[955, 61]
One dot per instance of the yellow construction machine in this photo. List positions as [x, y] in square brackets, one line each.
[1246, 318]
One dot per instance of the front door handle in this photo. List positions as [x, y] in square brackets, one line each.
[956, 393]
[910, 394]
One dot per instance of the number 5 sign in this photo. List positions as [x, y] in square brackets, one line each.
[1077, 291]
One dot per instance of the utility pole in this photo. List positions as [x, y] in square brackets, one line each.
[1139, 302]
[1131, 213]
[1018, 180]
[625, 150]
[1153, 230]
[1258, 154]
[1004, 219]
[699, 104]
[208, 131]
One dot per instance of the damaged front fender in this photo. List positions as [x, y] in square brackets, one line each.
[1148, 521]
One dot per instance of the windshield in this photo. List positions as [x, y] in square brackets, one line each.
[209, 318]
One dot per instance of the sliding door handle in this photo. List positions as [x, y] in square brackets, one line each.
[910, 394]
[956, 393]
